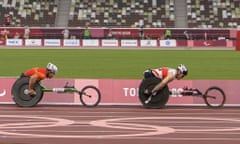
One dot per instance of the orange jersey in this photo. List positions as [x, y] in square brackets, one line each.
[41, 73]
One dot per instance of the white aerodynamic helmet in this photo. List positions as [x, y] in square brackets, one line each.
[183, 69]
[53, 68]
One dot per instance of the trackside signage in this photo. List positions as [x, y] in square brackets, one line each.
[71, 42]
[168, 43]
[133, 43]
[148, 43]
[90, 42]
[33, 42]
[110, 42]
[14, 42]
[52, 42]
[124, 91]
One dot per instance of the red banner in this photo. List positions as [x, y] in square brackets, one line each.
[238, 41]
[209, 43]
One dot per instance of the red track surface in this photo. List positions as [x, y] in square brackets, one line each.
[46, 124]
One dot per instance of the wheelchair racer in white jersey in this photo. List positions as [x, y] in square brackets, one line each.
[166, 74]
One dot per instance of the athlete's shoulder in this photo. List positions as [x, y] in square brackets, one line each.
[171, 69]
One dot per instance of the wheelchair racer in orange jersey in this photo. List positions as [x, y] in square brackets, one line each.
[166, 74]
[37, 74]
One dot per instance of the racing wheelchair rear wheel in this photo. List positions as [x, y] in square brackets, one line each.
[21, 98]
[157, 101]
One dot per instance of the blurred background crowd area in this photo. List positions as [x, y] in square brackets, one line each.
[125, 13]
[180, 15]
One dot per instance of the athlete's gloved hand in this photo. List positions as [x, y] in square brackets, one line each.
[150, 97]
[32, 92]
[154, 93]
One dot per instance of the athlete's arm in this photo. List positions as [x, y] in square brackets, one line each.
[170, 77]
[32, 81]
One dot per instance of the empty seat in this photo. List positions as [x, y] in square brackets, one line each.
[31, 12]
[150, 13]
[213, 14]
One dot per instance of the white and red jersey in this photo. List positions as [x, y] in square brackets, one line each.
[163, 72]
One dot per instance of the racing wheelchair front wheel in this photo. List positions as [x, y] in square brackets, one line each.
[157, 101]
[214, 97]
[90, 96]
[19, 95]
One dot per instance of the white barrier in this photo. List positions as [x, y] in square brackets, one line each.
[133, 43]
[127, 43]
[33, 42]
[71, 42]
[110, 43]
[14, 42]
[148, 43]
[90, 42]
[52, 42]
[168, 43]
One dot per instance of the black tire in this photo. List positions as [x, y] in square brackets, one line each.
[214, 97]
[157, 101]
[24, 100]
[90, 96]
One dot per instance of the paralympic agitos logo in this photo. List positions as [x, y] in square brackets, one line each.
[3, 93]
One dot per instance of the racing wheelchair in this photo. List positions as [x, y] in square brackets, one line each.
[214, 97]
[90, 96]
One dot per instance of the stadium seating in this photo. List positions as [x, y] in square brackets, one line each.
[125, 13]
[30, 12]
[213, 14]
